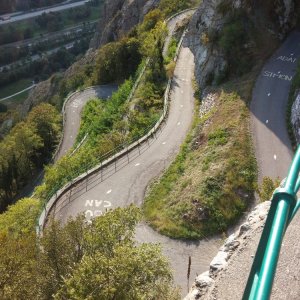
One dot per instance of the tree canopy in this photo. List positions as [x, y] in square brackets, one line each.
[80, 260]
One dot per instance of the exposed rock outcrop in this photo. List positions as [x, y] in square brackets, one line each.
[208, 58]
[295, 118]
[278, 17]
[119, 17]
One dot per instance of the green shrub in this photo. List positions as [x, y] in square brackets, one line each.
[117, 61]
[268, 186]
[218, 137]
[171, 51]
[232, 40]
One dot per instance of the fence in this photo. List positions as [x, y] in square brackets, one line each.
[133, 90]
[108, 164]
[284, 206]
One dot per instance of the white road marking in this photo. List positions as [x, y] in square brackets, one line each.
[181, 91]
[71, 136]
[109, 191]
[267, 121]
[275, 156]
[292, 54]
[164, 143]
[279, 72]
[278, 76]
[269, 94]
[136, 165]
[178, 123]
[181, 105]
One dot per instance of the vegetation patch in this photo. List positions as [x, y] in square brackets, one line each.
[74, 260]
[267, 188]
[170, 7]
[25, 149]
[212, 180]
[115, 123]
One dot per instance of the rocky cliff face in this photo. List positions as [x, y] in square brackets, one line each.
[278, 17]
[295, 118]
[208, 59]
[119, 17]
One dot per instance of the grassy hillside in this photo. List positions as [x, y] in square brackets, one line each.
[212, 180]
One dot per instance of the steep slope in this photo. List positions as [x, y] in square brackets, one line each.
[119, 17]
[273, 18]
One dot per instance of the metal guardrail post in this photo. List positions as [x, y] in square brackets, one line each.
[283, 208]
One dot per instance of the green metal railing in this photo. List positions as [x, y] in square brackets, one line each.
[283, 208]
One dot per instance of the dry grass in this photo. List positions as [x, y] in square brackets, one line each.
[212, 180]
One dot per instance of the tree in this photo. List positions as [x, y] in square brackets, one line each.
[18, 267]
[116, 61]
[79, 260]
[153, 41]
[113, 266]
[47, 121]
[20, 218]
[18, 251]
[130, 273]
[26, 148]
[267, 188]
[150, 20]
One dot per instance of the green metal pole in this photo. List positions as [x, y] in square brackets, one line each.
[283, 207]
[268, 267]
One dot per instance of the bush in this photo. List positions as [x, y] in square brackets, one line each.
[117, 61]
[25, 149]
[74, 260]
[232, 40]
[267, 188]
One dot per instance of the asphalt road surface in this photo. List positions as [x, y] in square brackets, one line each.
[73, 111]
[129, 183]
[274, 154]
[39, 12]
[172, 24]
[268, 110]
[126, 183]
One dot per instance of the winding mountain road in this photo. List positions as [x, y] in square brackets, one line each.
[128, 184]
[72, 114]
[274, 155]
[268, 110]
